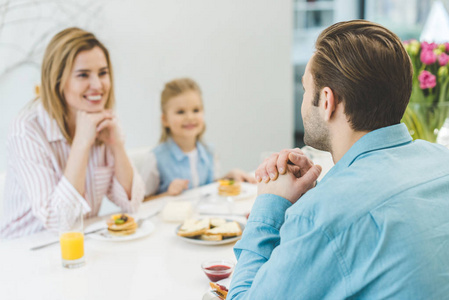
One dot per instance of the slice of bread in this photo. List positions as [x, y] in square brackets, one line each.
[228, 229]
[192, 227]
[217, 237]
[220, 289]
[214, 222]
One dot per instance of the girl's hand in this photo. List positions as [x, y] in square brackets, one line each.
[177, 186]
[109, 131]
[239, 175]
[86, 127]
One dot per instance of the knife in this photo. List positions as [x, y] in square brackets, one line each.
[222, 214]
[55, 242]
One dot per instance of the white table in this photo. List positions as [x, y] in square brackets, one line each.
[159, 266]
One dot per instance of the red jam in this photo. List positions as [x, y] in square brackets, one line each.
[218, 272]
[222, 287]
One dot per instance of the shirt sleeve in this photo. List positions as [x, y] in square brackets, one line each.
[118, 195]
[43, 186]
[150, 174]
[283, 260]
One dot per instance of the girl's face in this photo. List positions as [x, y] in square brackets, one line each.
[87, 87]
[184, 115]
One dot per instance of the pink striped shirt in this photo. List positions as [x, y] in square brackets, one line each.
[35, 184]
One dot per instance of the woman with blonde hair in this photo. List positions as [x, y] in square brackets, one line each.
[66, 147]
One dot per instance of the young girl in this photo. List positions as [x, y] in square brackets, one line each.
[182, 160]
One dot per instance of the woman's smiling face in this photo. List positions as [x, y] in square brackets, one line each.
[88, 85]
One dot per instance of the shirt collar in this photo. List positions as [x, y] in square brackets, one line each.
[381, 138]
[180, 155]
[51, 128]
[202, 152]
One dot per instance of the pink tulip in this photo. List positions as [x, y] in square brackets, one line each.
[446, 46]
[428, 46]
[428, 57]
[443, 59]
[427, 80]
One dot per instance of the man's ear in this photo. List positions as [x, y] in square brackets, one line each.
[328, 102]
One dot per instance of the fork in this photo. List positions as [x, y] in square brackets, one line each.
[140, 221]
[56, 242]
[217, 294]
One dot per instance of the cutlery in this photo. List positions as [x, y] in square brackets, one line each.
[139, 223]
[216, 293]
[56, 242]
[141, 220]
[222, 214]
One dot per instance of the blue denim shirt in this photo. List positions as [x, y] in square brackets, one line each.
[376, 227]
[172, 163]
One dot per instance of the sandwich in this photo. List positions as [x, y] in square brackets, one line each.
[193, 227]
[222, 291]
[228, 229]
[215, 238]
[214, 222]
[209, 229]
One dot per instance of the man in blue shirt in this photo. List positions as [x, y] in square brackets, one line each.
[377, 225]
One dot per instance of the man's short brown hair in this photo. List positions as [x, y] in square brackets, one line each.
[367, 68]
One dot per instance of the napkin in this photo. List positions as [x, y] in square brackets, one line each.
[177, 211]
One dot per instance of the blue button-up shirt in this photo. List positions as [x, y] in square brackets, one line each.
[375, 227]
[173, 164]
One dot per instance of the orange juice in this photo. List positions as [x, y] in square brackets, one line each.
[72, 245]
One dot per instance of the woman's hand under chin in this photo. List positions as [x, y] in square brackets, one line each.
[86, 130]
[109, 131]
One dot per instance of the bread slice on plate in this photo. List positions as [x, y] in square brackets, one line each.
[220, 289]
[192, 227]
[228, 229]
[217, 237]
[214, 222]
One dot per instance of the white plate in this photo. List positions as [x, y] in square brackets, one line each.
[209, 191]
[145, 229]
[210, 243]
[211, 296]
[247, 190]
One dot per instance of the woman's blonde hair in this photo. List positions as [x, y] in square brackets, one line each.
[175, 88]
[56, 67]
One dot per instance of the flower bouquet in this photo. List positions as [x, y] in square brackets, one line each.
[429, 102]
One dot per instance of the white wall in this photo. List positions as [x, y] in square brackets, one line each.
[238, 51]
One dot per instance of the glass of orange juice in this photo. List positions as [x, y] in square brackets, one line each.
[71, 235]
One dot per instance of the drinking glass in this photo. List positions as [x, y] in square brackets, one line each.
[71, 235]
